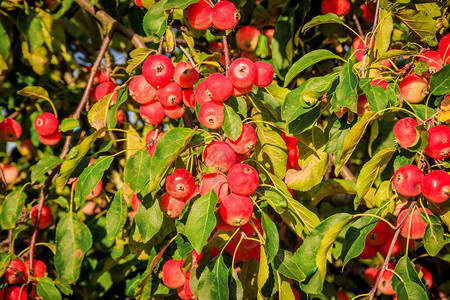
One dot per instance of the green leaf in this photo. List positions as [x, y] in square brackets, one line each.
[149, 221]
[312, 254]
[34, 92]
[182, 4]
[138, 56]
[68, 124]
[35, 33]
[351, 141]
[201, 220]
[236, 289]
[98, 112]
[43, 166]
[282, 42]
[285, 288]
[11, 209]
[307, 61]
[410, 291]
[272, 239]
[169, 147]
[90, 177]
[136, 173]
[122, 96]
[274, 198]
[271, 148]
[232, 125]
[375, 95]
[47, 290]
[383, 36]
[267, 279]
[305, 121]
[299, 217]
[372, 170]
[418, 21]
[405, 269]
[355, 237]
[288, 265]
[74, 157]
[5, 45]
[434, 238]
[347, 90]
[5, 258]
[332, 187]
[322, 19]
[155, 22]
[73, 240]
[440, 82]
[213, 283]
[116, 215]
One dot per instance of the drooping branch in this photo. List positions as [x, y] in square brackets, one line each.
[137, 40]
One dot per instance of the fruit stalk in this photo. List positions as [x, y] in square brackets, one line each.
[394, 239]
[226, 50]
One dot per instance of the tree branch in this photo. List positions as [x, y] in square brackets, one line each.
[368, 43]
[226, 50]
[137, 40]
[2, 175]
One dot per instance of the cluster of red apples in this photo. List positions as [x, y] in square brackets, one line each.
[204, 14]
[46, 125]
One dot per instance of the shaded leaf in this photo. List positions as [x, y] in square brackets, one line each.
[213, 283]
[232, 125]
[322, 19]
[11, 209]
[347, 90]
[116, 214]
[136, 173]
[43, 166]
[68, 124]
[155, 22]
[271, 148]
[149, 221]
[111, 119]
[47, 290]
[440, 82]
[272, 239]
[286, 264]
[332, 187]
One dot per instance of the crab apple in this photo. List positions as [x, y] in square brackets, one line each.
[10, 130]
[219, 87]
[46, 123]
[46, 216]
[443, 48]
[186, 291]
[172, 274]
[247, 231]
[216, 181]
[398, 245]
[174, 112]
[380, 82]
[219, 156]
[210, 114]
[433, 60]
[427, 277]
[185, 75]
[171, 206]
[180, 184]
[337, 7]
[248, 253]
[242, 73]
[50, 140]
[413, 88]
[16, 293]
[370, 275]
[290, 141]
[158, 70]
[104, 89]
[368, 252]
[362, 105]
[342, 296]
[96, 191]
[369, 14]
[201, 93]
[39, 268]
[264, 74]
[169, 94]
[236, 92]
[438, 142]
[135, 202]
[224, 15]
[89, 208]
[405, 132]
[245, 142]
[189, 98]
[216, 46]
[247, 38]
[16, 272]
[436, 186]
[141, 91]
[120, 116]
[407, 180]
[200, 15]
[359, 48]
[139, 3]
[292, 162]
[152, 137]
[385, 283]
[418, 225]
[221, 225]
[10, 172]
[152, 113]
[378, 235]
[236, 210]
[242, 179]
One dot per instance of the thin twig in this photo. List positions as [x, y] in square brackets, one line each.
[355, 19]
[189, 57]
[388, 256]
[137, 40]
[160, 47]
[10, 242]
[345, 171]
[368, 43]
[226, 50]
[3, 178]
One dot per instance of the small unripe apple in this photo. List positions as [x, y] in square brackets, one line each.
[436, 186]
[427, 277]
[174, 112]
[219, 156]
[368, 252]
[172, 274]
[370, 275]
[369, 13]
[236, 210]
[180, 184]
[438, 142]
[139, 3]
[189, 98]
[224, 15]
[385, 284]
[46, 216]
[398, 245]
[359, 48]
[405, 132]
[378, 235]
[158, 70]
[104, 89]
[16, 272]
[10, 130]
[247, 38]
[264, 74]
[407, 180]
[418, 225]
[236, 92]
[39, 268]
[414, 88]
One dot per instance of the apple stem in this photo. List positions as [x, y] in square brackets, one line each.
[368, 43]
[191, 60]
[388, 256]
[226, 50]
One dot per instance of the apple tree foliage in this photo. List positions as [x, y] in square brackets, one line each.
[312, 238]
